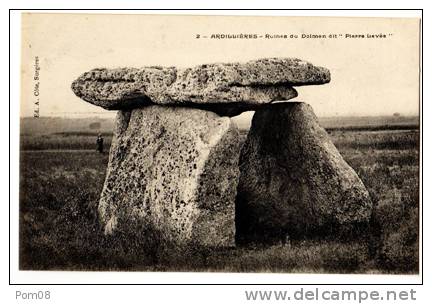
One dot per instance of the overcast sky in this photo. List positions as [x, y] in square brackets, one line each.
[370, 76]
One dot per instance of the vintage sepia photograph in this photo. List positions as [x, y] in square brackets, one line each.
[234, 144]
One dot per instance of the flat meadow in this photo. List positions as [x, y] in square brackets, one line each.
[61, 177]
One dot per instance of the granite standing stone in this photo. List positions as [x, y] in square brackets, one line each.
[293, 179]
[175, 169]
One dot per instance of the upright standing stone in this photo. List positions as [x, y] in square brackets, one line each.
[293, 179]
[175, 169]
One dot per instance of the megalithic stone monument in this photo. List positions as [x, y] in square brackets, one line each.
[174, 159]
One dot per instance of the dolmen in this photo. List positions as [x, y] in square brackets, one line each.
[177, 161]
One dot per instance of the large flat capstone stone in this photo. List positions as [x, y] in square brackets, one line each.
[293, 180]
[236, 85]
[175, 169]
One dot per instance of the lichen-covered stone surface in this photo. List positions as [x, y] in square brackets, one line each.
[293, 180]
[175, 169]
[252, 83]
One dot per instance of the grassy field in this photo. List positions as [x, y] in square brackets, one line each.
[61, 179]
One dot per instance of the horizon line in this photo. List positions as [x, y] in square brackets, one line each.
[74, 116]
